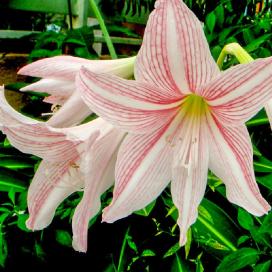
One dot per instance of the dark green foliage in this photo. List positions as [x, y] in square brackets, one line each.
[77, 42]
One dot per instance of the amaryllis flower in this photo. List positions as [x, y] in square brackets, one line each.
[183, 116]
[58, 76]
[75, 158]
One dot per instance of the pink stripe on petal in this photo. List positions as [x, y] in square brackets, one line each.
[52, 183]
[231, 159]
[175, 55]
[129, 105]
[99, 176]
[240, 92]
[143, 170]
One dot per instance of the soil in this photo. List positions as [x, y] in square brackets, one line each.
[9, 65]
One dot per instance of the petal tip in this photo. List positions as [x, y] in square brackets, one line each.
[77, 246]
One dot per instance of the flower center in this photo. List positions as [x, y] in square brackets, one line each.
[193, 109]
[194, 105]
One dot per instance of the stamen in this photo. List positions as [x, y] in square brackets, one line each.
[188, 150]
[72, 179]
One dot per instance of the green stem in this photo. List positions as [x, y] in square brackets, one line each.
[123, 248]
[103, 27]
[236, 50]
[217, 234]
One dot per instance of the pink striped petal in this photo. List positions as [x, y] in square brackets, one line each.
[38, 138]
[99, 176]
[127, 104]
[268, 109]
[56, 87]
[231, 159]
[190, 169]
[143, 170]
[71, 113]
[66, 67]
[240, 92]
[175, 55]
[52, 183]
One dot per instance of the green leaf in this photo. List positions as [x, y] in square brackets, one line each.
[64, 238]
[214, 228]
[266, 226]
[3, 249]
[256, 43]
[199, 266]
[248, 35]
[265, 181]
[131, 243]
[188, 243]
[178, 265]
[263, 267]
[172, 250]
[237, 260]
[10, 179]
[245, 219]
[39, 251]
[21, 222]
[210, 21]
[263, 165]
[13, 163]
[148, 253]
[242, 239]
[147, 210]
[3, 243]
[220, 15]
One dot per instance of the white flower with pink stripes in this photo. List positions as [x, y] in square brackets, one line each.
[74, 159]
[58, 80]
[183, 116]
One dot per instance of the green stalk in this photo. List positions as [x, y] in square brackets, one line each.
[103, 27]
[122, 252]
[216, 233]
[236, 50]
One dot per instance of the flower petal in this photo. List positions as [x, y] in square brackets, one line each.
[143, 170]
[268, 109]
[42, 140]
[57, 87]
[66, 67]
[127, 104]
[99, 176]
[55, 100]
[175, 55]
[240, 92]
[190, 169]
[231, 159]
[52, 183]
[71, 113]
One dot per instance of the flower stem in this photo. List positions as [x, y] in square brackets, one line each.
[103, 27]
[236, 50]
